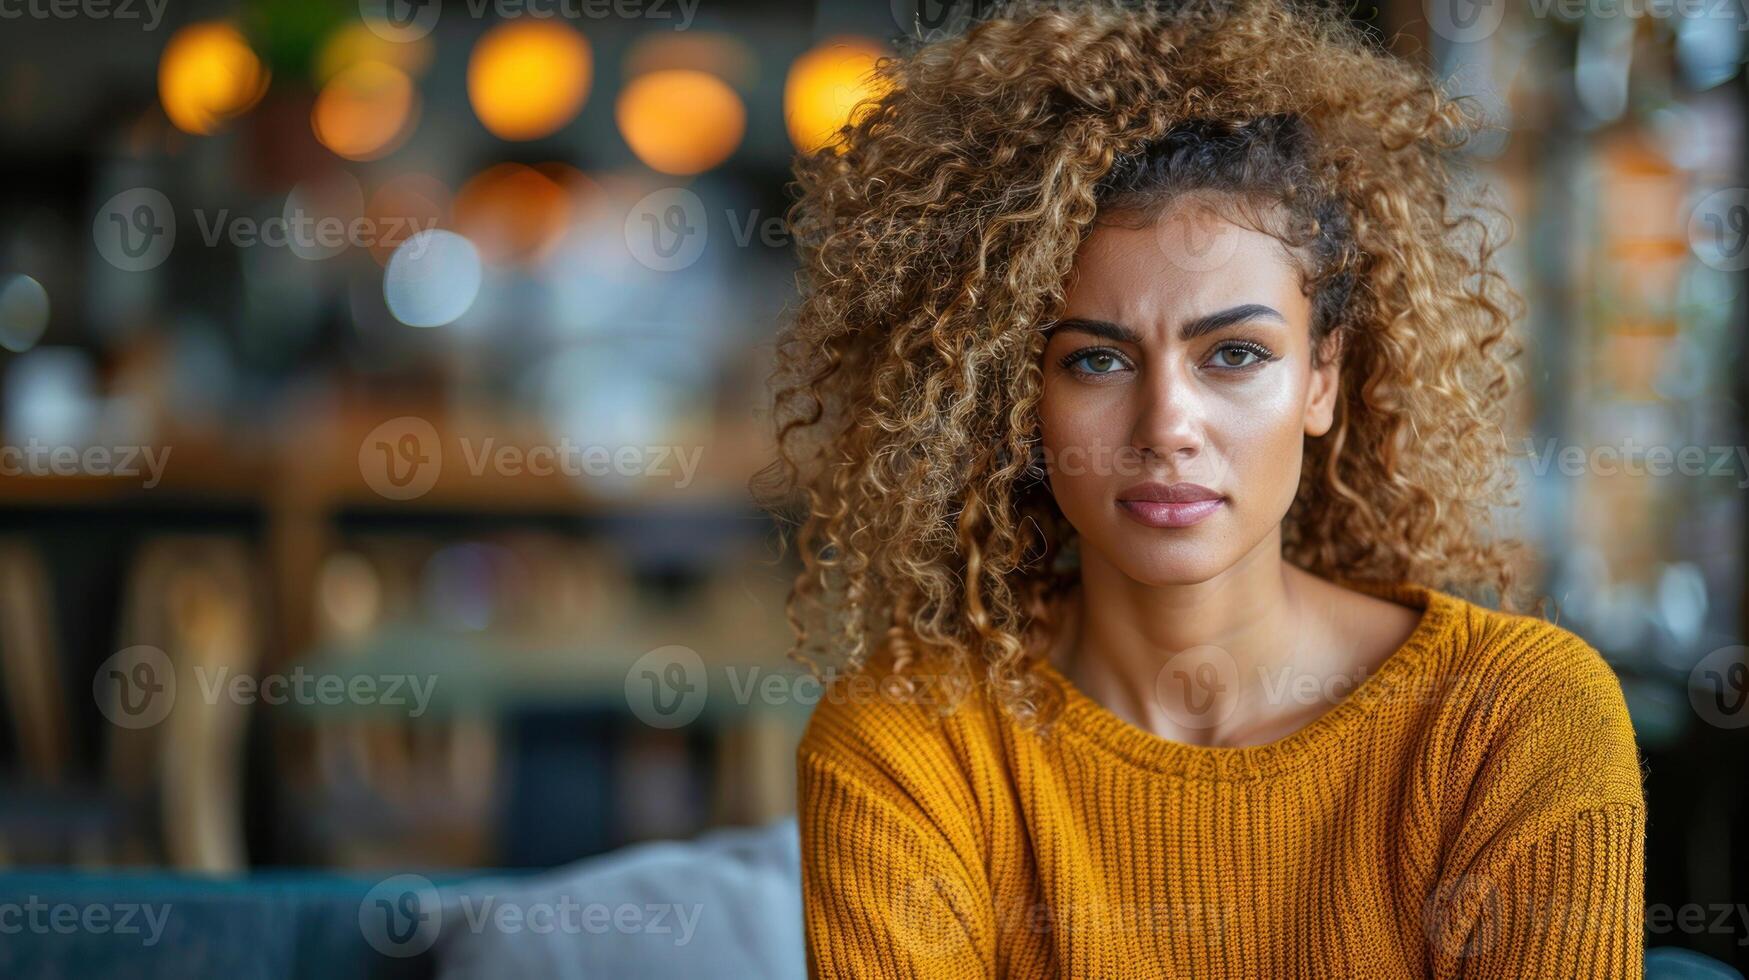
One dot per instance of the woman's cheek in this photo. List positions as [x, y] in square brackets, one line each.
[1070, 436]
[1259, 440]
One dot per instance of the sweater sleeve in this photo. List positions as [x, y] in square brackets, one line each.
[1546, 875]
[1569, 905]
[884, 894]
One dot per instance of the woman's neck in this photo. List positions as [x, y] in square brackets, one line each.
[1202, 662]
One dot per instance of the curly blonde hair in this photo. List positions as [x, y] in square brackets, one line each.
[937, 233]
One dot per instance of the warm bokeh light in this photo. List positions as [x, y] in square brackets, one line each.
[528, 78]
[512, 212]
[354, 43]
[680, 121]
[208, 74]
[404, 205]
[365, 111]
[824, 85]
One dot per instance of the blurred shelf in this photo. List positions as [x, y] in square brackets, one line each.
[474, 674]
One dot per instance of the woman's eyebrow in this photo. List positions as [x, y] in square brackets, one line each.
[1099, 328]
[1187, 331]
[1209, 323]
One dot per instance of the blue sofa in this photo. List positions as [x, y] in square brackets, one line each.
[727, 901]
[724, 904]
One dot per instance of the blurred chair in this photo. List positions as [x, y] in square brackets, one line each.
[195, 598]
[47, 814]
[30, 666]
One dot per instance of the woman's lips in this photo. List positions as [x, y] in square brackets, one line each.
[1157, 504]
[1155, 513]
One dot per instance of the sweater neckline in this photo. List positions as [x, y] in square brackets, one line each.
[1088, 720]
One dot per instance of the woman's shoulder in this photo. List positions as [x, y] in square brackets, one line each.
[1530, 665]
[887, 723]
[1538, 711]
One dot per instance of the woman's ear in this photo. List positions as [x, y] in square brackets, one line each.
[1325, 386]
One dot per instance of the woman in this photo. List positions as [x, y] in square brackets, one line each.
[1146, 404]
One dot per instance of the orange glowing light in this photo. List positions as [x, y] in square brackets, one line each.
[527, 78]
[825, 85]
[365, 111]
[512, 212]
[680, 121]
[207, 75]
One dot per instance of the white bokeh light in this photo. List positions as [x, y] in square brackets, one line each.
[432, 279]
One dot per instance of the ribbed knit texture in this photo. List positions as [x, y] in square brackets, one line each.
[1473, 808]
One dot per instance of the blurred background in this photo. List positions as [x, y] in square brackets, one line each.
[379, 383]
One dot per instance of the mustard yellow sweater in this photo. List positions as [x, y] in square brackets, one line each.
[1472, 809]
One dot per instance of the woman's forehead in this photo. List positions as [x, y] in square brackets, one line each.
[1152, 276]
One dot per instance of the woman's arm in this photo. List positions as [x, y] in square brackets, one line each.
[884, 891]
[1546, 877]
[1568, 905]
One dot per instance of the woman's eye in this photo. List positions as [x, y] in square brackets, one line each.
[1238, 356]
[1097, 362]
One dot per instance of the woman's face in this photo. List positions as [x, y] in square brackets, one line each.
[1183, 357]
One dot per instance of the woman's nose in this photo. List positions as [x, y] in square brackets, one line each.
[1169, 421]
